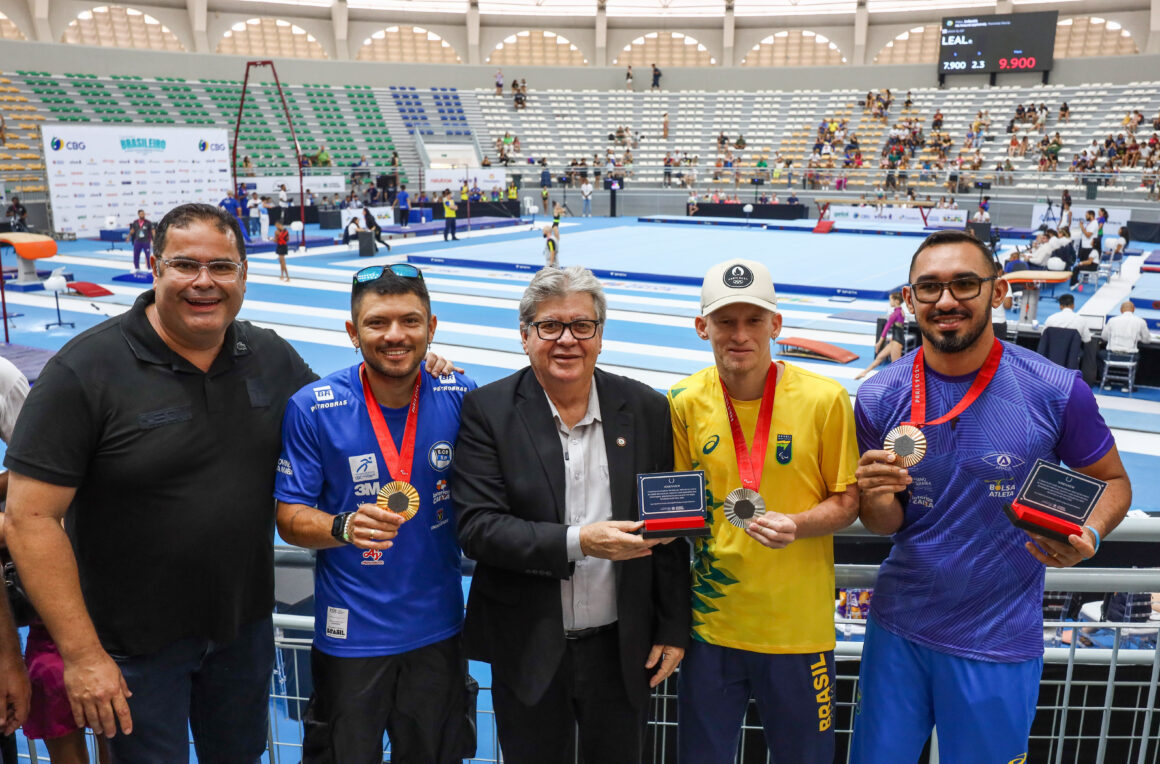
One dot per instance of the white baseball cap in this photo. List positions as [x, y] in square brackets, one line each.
[737, 281]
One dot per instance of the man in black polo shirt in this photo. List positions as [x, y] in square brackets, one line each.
[159, 430]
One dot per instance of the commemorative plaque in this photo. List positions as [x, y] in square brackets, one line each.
[672, 503]
[1054, 501]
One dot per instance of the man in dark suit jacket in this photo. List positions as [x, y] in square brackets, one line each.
[577, 614]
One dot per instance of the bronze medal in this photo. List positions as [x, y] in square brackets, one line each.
[907, 443]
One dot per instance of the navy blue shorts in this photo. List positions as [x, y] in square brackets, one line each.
[983, 710]
[794, 695]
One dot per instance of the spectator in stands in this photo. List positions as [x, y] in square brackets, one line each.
[586, 196]
[499, 82]
[974, 574]
[1125, 332]
[520, 100]
[485, 162]
[81, 446]
[17, 215]
[691, 208]
[936, 121]
[449, 211]
[247, 167]
[665, 126]
[1064, 112]
[322, 158]
[656, 78]
[141, 234]
[628, 78]
[1067, 318]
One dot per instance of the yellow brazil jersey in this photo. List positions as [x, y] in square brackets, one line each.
[745, 595]
[448, 208]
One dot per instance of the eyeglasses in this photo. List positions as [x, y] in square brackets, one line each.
[222, 271]
[376, 272]
[581, 329]
[965, 288]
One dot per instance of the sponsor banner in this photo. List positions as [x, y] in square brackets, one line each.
[1117, 216]
[269, 185]
[892, 214]
[98, 173]
[486, 178]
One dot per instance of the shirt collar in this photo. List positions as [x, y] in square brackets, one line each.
[590, 416]
[148, 346]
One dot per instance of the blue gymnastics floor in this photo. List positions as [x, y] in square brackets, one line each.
[806, 263]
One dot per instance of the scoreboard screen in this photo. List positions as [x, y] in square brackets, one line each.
[1018, 42]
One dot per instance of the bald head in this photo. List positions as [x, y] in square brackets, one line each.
[1127, 307]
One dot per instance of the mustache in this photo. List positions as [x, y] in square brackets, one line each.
[936, 315]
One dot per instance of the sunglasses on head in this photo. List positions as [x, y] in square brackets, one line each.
[376, 272]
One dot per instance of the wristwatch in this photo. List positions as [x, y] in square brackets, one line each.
[338, 528]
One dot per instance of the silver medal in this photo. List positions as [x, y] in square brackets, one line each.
[742, 506]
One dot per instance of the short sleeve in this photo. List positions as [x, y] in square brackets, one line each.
[869, 437]
[1084, 437]
[299, 477]
[11, 401]
[57, 431]
[839, 452]
[681, 459]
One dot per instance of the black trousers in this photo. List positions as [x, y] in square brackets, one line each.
[448, 228]
[586, 692]
[419, 698]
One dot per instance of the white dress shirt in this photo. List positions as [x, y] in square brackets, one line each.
[1125, 332]
[589, 596]
[1069, 319]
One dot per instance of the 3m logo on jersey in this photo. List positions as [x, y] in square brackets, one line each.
[367, 490]
[784, 449]
[363, 467]
[711, 444]
[442, 493]
[439, 457]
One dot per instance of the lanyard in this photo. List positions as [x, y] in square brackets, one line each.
[398, 463]
[751, 463]
[918, 388]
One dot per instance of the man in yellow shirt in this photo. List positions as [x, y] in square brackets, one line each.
[449, 208]
[778, 448]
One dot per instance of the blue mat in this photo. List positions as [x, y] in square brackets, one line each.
[463, 224]
[799, 261]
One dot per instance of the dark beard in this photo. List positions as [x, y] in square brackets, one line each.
[956, 343]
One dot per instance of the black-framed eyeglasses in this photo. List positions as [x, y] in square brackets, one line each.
[187, 269]
[964, 288]
[375, 272]
[581, 329]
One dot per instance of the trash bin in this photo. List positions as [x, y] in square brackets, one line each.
[1090, 187]
[366, 244]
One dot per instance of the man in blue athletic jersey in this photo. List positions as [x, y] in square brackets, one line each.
[955, 637]
[388, 595]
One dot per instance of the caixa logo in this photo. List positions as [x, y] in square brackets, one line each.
[57, 144]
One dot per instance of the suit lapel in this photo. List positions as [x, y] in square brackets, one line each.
[532, 406]
[619, 447]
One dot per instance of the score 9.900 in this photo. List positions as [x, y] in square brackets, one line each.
[1017, 62]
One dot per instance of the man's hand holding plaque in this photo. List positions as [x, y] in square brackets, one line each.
[1053, 506]
[672, 504]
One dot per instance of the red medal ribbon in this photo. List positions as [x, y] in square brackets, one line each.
[398, 464]
[751, 463]
[918, 388]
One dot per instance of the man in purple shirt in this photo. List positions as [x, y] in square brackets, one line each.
[954, 638]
